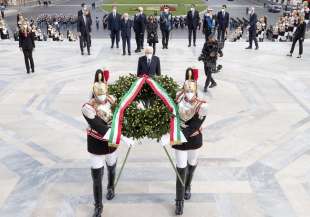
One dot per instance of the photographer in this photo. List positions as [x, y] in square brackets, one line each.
[210, 51]
[299, 36]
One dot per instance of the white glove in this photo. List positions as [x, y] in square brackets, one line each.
[165, 139]
[128, 141]
[107, 135]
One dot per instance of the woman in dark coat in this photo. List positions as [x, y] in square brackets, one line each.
[152, 37]
[27, 45]
[299, 35]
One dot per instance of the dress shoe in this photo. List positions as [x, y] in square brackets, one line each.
[129, 54]
[213, 85]
[137, 51]
[205, 89]
[82, 53]
[124, 54]
[189, 45]
[248, 48]
[289, 55]
[256, 48]
[299, 56]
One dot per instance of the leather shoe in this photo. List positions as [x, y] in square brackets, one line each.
[213, 85]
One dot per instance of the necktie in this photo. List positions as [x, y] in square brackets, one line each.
[148, 62]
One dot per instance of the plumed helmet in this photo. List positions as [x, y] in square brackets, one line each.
[100, 86]
[190, 83]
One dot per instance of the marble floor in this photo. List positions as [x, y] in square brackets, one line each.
[255, 161]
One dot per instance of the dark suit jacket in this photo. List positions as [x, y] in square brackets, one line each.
[82, 27]
[126, 28]
[114, 23]
[26, 43]
[192, 21]
[253, 22]
[222, 21]
[152, 70]
[139, 23]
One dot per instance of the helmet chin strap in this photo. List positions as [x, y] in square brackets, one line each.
[101, 101]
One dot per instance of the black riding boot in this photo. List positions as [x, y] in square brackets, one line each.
[111, 179]
[180, 189]
[189, 177]
[97, 175]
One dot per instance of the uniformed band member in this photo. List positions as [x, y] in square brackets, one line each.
[27, 45]
[98, 115]
[192, 112]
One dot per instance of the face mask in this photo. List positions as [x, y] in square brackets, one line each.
[102, 98]
[189, 95]
[149, 56]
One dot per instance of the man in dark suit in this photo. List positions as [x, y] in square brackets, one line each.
[139, 29]
[84, 30]
[222, 24]
[126, 26]
[193, 20]
[149, 64]
[114, 25]
[252, 29]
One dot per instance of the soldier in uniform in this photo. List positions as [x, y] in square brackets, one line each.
[98, 115]
[192, 114]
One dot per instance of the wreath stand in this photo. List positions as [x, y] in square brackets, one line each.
[176, 136]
